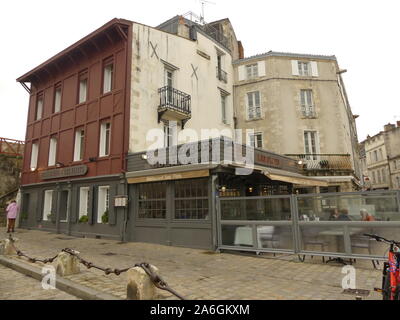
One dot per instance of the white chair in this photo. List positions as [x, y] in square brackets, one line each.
[243, 236]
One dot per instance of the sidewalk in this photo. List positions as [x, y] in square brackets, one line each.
[199, 274]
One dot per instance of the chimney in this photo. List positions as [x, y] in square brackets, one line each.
[241, 50]
[389, 127]
[183, 29]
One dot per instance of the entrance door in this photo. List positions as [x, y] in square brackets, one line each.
[64, 196]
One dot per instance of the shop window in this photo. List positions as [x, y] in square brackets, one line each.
[48, 200]
[84, 201]
[191, 199]
[152, 200]
[103, 202]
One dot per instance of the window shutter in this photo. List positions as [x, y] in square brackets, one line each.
[93, 189]
[314, 68]
[295, 68]
[74, 212]
[112, 218]
[261, 68]
[242, 73]
[39, 206]
[54, 204]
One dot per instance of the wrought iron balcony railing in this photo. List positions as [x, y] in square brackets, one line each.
[222, 75]
[338, 162]
[174, 103]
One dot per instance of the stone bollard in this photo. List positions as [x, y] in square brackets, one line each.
[6, 247]
[67, 264]
[140, 286]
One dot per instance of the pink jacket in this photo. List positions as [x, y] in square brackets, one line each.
[12, 210]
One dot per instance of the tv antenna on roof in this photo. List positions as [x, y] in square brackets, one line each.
[203, 2]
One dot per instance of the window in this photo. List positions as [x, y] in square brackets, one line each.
[398, 181]
[375, 155]
[307, 107]
[304, 68]
[253, 105]
[108, 73]
[255, 140]
[34, 155]
[79, 145]
[379, 176]
[39, 107]
[57, 98]
[105, 139]
[311, 145]
[52, 151]
[223, 109]
[374, 177]
[380, 154]
[252, 71]
[47, 206]
[383, 175]
[191, 199]
[83, 86]
[170, 134]
[103, 204]
[152, 200]
[84, 193]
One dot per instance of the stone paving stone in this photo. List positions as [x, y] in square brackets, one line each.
[16, 286]
[196, 274]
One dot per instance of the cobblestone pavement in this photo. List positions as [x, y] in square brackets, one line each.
[16, 286]
[199, 274]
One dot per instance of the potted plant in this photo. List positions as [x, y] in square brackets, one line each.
[84, 219]
[104, 217]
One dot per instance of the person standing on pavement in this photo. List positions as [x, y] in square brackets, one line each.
[12, 211]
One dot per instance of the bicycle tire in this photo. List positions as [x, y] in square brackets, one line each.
[386, 293]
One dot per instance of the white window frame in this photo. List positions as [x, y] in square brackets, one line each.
[224, 117]
[253, 112]
[34, 156]
[253, 141]
[170, 133]
[308, 146]
[57, 99]
[251, 71]
[108, 74]
[39, 108]
[105, 131]
[83, 88]
[306, 72]
[307, 102]
[47, 205]
[84, 194]
[103, 202]
[52, 152]
[79, 145]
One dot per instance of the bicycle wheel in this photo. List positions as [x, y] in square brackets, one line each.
[386, 287]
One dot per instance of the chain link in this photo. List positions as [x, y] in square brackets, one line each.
[154, 277]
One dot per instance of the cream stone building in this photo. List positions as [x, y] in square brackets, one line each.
[382, 155]
[297, 106]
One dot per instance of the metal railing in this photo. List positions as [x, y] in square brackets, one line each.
[12, 147]
[172, 98]
[222, 75]
[324, 161]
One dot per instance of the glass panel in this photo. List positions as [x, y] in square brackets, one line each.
[365, 207]
[322, 239]
[363, 245]
[277, 209]
[191, 199]
[275, 237]
[152, 202]
[241, 236]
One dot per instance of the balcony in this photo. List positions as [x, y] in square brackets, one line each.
[222, 75]
[174, 105]
[336, 164]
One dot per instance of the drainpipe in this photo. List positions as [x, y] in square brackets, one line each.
[214, 209]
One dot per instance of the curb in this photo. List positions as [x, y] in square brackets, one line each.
[62, 284]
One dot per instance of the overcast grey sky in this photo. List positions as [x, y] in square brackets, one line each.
[364, 36]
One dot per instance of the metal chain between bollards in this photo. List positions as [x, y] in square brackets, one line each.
[155, 278]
